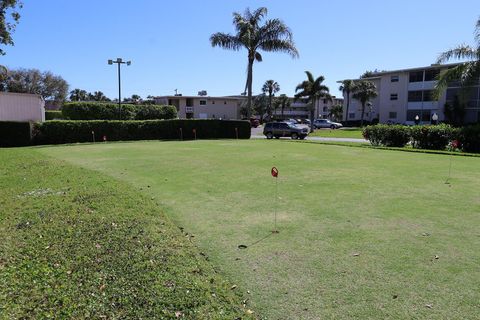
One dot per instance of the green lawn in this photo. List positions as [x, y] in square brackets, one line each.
[364, 233]
[338, 133]
[76, 244]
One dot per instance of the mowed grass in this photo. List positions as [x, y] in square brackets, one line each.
[364, 233]
[76, 244]
[355, 133]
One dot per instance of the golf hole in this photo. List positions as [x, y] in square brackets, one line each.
[242, 246]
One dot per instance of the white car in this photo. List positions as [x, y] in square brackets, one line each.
[325, 123]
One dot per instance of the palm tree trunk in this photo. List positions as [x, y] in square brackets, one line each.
[363, 112]
[270, 112]
[312, 115]
[283, 107]
[348, 105]
[249, 84]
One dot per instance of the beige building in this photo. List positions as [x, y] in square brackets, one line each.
[21, 107]
[407, 93]
[301, 110]
[203, 107]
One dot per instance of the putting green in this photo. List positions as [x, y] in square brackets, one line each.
[364, 233]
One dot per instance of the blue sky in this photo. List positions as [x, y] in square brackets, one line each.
[168, 41]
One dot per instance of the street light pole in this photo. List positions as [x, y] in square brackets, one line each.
[119, 61]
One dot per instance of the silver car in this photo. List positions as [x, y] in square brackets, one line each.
[325, 123]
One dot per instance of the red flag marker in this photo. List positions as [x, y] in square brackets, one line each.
[274, 172]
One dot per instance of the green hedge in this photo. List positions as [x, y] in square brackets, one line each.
[57, 132]
[111, 111]
[53, 114]
[387, 135]
[434, 137]
[15, 134]
[469, 138]
[155, 112]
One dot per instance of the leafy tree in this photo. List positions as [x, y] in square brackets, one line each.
[312, 89]
[270, 87]
[260, 105]
[467, 73]
[251, 34]
[363, 92]
[282, 102]
[97, 96]
[9, 18]
[336, 112]
[347, 87]
[78, 95]
[455, 112]
[46, 84]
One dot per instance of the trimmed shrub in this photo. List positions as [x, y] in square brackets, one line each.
[15, 134]
[111, 111]
[469, 138]
[97, 111]
[53, 114]
[387, 135]
[155, 112]
[57, 132]
[434, 137]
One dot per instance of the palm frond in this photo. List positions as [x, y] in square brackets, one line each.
[477, 32]
[461, 52]
[279, 45]
[258, 14]
[310, 77]
[225, 41]
[467, 74]
[258, 57]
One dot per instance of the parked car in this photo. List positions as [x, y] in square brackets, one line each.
[304, 121]
[325, 123]
[283, 129]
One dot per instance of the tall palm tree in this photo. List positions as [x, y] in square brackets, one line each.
[336, 112]
[271, 36]
[347, 87]
[283, 102]
[312, 89]
[468, 73]
[270, 87]
[364, 91]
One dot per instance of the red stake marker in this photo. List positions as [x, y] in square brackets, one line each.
[274, 173]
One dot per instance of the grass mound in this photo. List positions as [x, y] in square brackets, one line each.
[77, 244]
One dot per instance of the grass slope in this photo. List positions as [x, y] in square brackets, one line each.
[355, 133]
[364, 233]
[78, 244]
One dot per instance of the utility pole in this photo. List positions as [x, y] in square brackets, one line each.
[119, 61]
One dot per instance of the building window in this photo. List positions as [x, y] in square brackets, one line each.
[394, 79]
[431, 75]
[325, 109]
[392, 115]
[416, 76]
[394, 96]
[203, 102]
[424, 115]
[415, 96]
[428, 95]
[351, 115]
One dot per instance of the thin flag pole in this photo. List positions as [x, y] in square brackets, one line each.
[274, 173]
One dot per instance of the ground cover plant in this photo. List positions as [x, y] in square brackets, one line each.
[76, 244]
[364, 233]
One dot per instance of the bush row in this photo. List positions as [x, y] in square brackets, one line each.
[431, 137]
[53, 114]
[57, 132]
[15, 134]
[111, 111]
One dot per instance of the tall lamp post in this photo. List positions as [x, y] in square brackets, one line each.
[119, 61]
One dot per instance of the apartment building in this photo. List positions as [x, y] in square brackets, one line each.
[203, 107]
[301, 110]
[407, 93]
